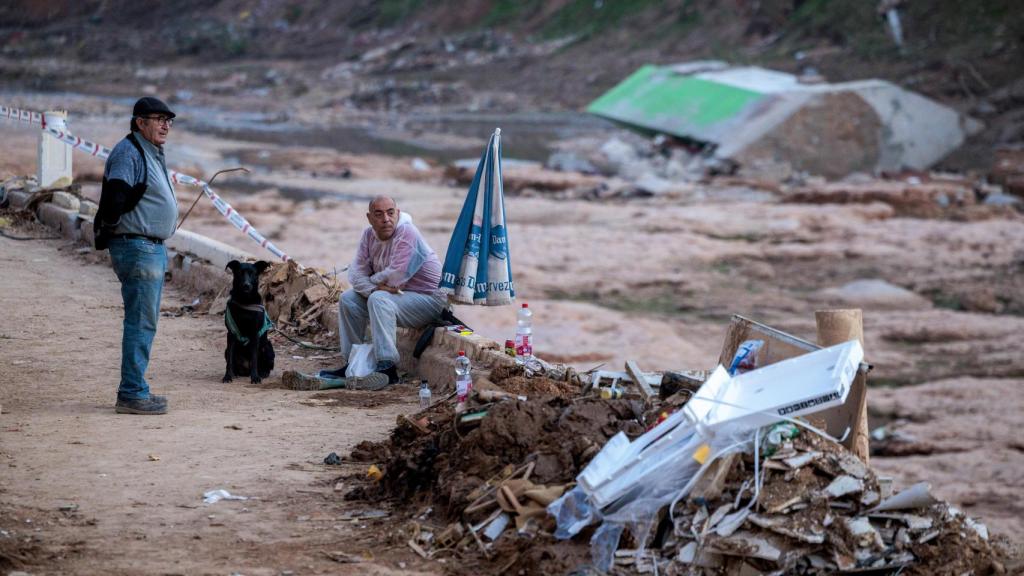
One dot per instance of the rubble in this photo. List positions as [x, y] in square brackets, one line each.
[1008, 170]
[909, 198]
[795, 503]
[747, 113]
[299, 299]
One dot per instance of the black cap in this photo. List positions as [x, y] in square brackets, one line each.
[149, 105]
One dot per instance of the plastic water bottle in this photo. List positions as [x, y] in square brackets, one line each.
[463, 381]
[424, 395]
[524, 333]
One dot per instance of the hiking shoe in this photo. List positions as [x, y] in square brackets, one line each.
[372, 381]
[339, 373]
[301, 381]
[146, 406]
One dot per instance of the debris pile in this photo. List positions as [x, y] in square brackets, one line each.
[490, 486]
[819, 510]
[301, 299]
[455, 460]
[1008, 170]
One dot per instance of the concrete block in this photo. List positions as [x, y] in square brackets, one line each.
[65, 200]
[216, 253]
[60, 219]
[85, 231]
[196, 276]
[19, 199]
[87, 209]
[827, 129]
[437, 363]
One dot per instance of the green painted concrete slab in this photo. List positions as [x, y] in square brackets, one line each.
[659, 99]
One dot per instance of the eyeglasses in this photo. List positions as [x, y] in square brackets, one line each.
[161, 120]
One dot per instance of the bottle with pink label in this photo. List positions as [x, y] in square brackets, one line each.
[463, 382]
[524, 334]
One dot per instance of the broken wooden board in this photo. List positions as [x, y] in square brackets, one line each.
[639, 380]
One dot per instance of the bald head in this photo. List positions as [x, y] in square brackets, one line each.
[383, 216]
[382, 200]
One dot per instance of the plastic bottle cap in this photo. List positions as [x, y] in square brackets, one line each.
[462, 352]
[525, 305]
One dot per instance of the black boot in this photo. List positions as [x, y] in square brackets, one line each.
[392, 373]
[339, 373]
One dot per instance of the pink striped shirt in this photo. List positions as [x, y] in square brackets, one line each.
[403, 261]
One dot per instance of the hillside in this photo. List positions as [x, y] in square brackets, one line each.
[533, 54]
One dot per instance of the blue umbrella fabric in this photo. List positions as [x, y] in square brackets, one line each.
[477, 267]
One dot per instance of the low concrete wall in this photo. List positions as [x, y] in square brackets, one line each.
[197, 264]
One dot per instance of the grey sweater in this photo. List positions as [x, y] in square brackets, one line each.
[157, 212]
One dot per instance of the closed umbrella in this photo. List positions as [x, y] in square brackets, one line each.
[477, 266]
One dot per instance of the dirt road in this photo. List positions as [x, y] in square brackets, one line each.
[86, 491]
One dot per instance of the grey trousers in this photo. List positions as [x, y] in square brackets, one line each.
[384, 312]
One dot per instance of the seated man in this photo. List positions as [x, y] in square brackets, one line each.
[394, 283]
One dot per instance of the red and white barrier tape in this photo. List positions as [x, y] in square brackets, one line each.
[22, 115]
[58, 129]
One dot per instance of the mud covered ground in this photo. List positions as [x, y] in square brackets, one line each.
[652, 279]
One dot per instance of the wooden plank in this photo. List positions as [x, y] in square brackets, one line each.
[638, 378]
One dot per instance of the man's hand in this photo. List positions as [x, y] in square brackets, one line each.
[387, 288]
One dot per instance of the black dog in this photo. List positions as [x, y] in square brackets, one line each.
[249, 349]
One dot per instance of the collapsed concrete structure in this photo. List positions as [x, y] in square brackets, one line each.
[751, 115]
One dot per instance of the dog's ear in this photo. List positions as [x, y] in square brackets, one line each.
[233, 266]
[261, 266]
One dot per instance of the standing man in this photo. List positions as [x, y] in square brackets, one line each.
[137, 212]
[394, 283]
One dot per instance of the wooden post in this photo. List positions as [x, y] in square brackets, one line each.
[836, 327]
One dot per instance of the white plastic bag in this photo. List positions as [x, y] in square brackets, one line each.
[361, 361]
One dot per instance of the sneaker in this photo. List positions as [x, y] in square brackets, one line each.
[339, 373]
[372, 381]
[152, 405]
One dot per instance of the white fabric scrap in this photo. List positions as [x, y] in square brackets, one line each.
[211, 496]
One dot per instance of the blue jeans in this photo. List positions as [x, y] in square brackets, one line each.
[140, 265]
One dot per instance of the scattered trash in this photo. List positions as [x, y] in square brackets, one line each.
[374, 473]
[212, 496]
[745, 358]
[722, 475]
[154, 458]
[332, 459]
